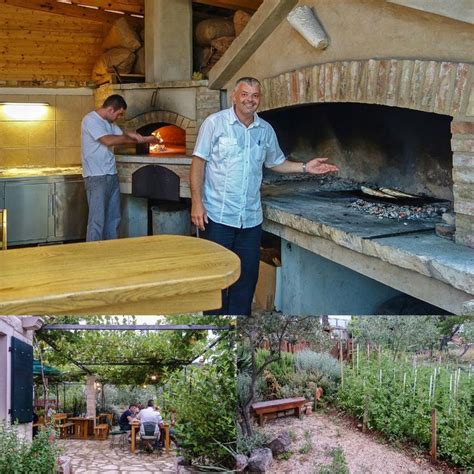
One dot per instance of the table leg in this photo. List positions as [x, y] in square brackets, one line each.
[134, 434]
[167, 439]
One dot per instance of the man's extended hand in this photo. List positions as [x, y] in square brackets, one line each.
[198, 215]
[144, 139]
[319, 166]
[152, 140]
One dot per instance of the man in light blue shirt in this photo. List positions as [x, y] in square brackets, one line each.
[226, 175]
[99, 134]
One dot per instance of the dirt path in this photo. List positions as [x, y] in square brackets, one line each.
[321, 441]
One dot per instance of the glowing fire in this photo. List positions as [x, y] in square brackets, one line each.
[160, 146]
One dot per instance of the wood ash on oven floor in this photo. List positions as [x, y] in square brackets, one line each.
[393, 211]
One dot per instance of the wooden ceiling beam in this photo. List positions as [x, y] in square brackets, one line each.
[247, 5]
[127, 6]
[65, 9]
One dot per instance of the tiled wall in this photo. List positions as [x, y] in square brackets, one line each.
[53, 140]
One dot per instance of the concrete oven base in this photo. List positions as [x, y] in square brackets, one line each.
[410, 282]
[312, 284]
[134, 221]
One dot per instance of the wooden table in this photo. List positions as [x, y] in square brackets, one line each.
[81, 426]
[144, 275]
[136, 426]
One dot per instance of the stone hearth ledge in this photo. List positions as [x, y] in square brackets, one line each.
[423, 253]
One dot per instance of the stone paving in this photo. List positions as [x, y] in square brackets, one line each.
[97, 457]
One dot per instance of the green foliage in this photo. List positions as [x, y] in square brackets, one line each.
[285, 456]
[407, 333]
[281, 368]
[205, 401]
[122, 357]
[310, 361]
[399, 404]
[18, 456]
[308, 443]
[296, 375]
[247, 444]
[338, 464]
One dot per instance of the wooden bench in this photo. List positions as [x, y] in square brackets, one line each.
[275, 406]
[101, 431]
[66, 429]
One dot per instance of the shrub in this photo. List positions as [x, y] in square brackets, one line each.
[205, 402]
[18, 456]
[399, 404]
[310, 361]
[247, 444]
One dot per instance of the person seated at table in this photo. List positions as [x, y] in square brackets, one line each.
[127, 417]
[150, 422]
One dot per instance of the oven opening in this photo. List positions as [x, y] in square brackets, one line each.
[376, 146]
[172, 140]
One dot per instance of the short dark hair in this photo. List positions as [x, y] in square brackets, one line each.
[251, 81]
[132, 405]
[150, 403]
[115, 101]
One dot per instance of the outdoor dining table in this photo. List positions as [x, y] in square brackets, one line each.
[81, 426]
[161, 274]
[136, 426]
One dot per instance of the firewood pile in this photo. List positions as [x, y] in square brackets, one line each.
[214, 36]
[123, 53]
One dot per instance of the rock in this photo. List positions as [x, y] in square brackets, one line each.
[280, 444]
[449, 218]
[241, 462]
[181, 461]
[260, 460]
[445, 230]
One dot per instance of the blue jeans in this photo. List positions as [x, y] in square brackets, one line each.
[103, 198]
[237, 299]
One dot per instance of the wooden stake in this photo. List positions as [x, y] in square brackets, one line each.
[433, 453]
[366, 414]
[340, 360]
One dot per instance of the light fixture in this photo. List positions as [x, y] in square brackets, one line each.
[25, 110]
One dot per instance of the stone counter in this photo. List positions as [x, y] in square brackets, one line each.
[33, 172]
[420, 264]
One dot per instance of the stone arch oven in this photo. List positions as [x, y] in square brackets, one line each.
[375, 87]
[172, 128]
[175, 109]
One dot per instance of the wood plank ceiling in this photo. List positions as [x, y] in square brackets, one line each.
[60, 40]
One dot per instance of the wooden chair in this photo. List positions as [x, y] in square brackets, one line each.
[101, 431]
[66, 429]
[3, 229]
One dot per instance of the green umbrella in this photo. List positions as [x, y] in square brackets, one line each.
[48, 370]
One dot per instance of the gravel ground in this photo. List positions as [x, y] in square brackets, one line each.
[320, 435]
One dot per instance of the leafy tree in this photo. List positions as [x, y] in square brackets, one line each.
[203, 396]
[398, 333]
[121, 357]
[268, 331]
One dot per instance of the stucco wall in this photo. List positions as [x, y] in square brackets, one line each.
[362, 29]
[10, 326]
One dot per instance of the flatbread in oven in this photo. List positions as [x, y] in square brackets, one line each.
[396, 193]
[376, 193]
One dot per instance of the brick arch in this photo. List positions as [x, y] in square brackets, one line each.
[430, 86]
[164, 116]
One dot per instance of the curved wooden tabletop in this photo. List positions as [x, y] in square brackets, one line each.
[164, 274]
